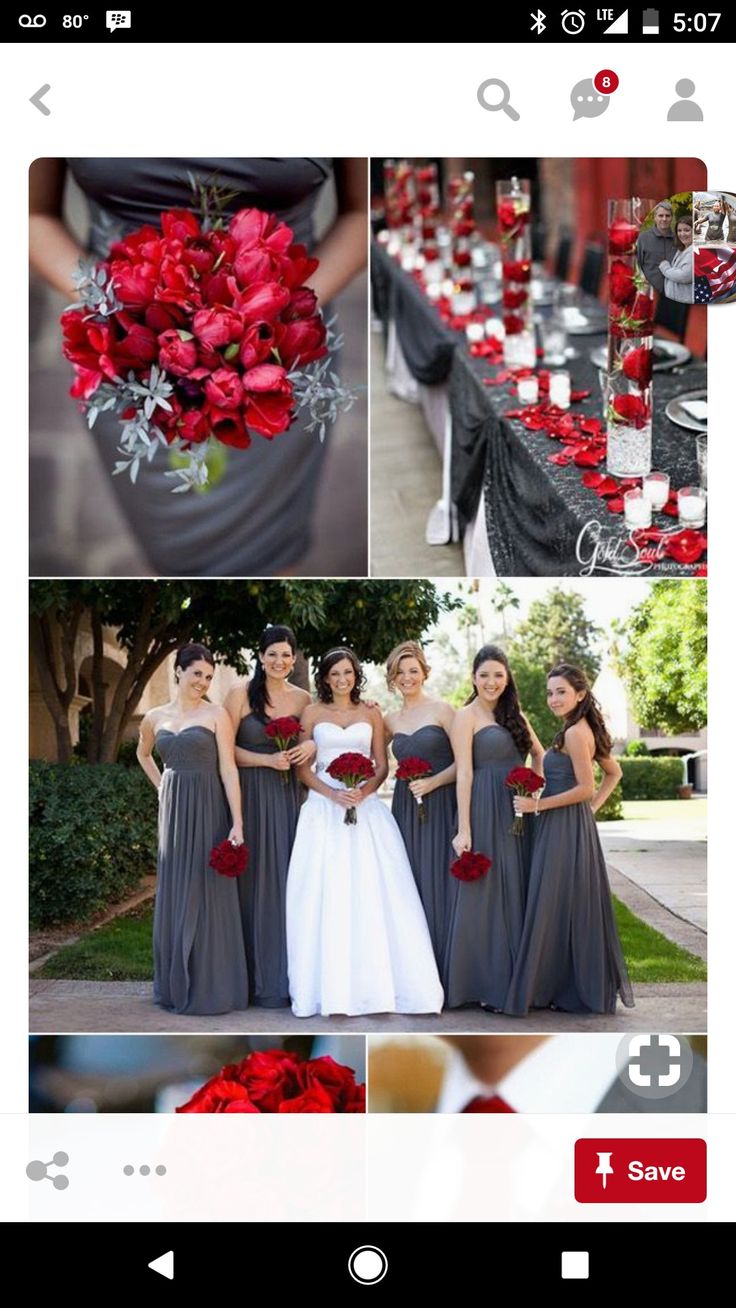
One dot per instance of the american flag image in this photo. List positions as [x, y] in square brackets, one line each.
[717, 268]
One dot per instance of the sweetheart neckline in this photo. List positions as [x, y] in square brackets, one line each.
[196, 726]
[429, 726]
[325, 722]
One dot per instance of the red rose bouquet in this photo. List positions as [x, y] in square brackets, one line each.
[351, 769]
[200, 333]
[523, 781]
[470, 866]
[228, 859]
[285, 732]
[413, 769]
[279, 1081]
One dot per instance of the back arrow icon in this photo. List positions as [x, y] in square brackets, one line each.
[37, 99]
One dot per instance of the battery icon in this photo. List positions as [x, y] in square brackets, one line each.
[650, 22]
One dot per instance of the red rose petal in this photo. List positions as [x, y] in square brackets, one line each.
[615, 504]
[593, 479]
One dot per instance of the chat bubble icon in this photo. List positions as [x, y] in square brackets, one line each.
[115, 18]
[586, 101]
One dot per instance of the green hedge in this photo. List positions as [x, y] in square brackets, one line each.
[613, 808]
[93, 835]
[651, 778]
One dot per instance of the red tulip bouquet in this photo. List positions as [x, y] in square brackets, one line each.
[228, 859]
[470, 866]
[523, 781]
[413, 769]
[351, 769]
[279, 1081]
[285, 732]
[200, 333]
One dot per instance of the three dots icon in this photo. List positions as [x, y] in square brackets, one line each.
[145, 1170]
[39, 1171]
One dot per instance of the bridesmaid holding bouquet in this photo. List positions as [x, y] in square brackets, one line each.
[271, 801]
[490, 737]
[198, 947]
[570, 956]
[424, 808]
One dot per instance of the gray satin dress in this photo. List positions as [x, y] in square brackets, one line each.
[270, 812]
[570, 954]
[488, 915]
[256, 520]
[199, 962]
[429, 842]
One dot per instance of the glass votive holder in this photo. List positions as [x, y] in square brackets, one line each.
[528, 390]
[656, 487]
[701, 445]
[527, 350]
[463, 302]
[691, 501]
[637, 508]
[433, 291]
[554, 339]
[475, 331]
[495, 328]
[559, 389]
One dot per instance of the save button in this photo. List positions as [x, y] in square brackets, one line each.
[640, 1171]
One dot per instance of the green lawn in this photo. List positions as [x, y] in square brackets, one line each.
[650, 956]
[664, 810]
[121, 951]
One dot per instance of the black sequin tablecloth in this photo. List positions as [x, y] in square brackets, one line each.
[535, 509]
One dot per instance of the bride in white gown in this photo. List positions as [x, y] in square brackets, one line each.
[357, 937]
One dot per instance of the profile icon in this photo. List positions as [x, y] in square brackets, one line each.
[685, 110]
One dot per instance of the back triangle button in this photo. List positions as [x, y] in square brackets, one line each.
[164, 1265]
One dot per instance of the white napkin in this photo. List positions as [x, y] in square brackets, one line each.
[697, 409]
[572, 317]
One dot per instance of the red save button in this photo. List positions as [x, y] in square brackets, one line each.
[640, 1171]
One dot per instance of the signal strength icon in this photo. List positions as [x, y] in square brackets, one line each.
[620, 25]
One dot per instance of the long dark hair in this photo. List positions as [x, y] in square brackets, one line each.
[508, 709]
[189, 654]
[257, 688]
[328, 661]
[588, 708]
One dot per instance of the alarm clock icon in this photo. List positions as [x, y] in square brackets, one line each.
[573, 21]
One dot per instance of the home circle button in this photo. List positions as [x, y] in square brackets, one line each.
[367, 1265]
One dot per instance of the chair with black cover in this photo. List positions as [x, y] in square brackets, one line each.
[539, 242]
[562, 257]
[591, 270]
[672, 315]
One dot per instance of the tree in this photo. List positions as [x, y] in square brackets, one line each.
[504, 598]
[664, 665]
[531, 683]
[152, 618]
[557, 630]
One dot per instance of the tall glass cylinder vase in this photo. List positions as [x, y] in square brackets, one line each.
[629, 396]
[513, 209]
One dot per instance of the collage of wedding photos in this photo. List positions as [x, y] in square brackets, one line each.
[368, 726]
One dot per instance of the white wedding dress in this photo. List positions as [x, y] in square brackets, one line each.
[357, 938]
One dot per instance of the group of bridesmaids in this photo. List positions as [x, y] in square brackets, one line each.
[537, 931]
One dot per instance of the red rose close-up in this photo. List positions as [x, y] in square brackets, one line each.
[631, 409]
[302, 341]
[177, 352]
[224, 389]
[280, 1081]
[228, 859]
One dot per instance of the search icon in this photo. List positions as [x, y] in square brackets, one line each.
[503, 102]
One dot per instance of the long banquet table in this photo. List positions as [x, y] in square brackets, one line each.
[535, 510]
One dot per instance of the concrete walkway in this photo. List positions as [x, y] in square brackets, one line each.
[126, 1006]
[672, 873]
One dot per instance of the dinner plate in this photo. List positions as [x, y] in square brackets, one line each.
[667, 355]
[677, 414]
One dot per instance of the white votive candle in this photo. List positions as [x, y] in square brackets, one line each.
[637, 508]
[463, 302]
[691, 506]
[559, 389]
[433, 291]
[656, 487]
[475, 331]
[527, 350]
[528, 390]
[495, 328]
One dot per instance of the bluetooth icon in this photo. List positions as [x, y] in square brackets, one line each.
[538, 23]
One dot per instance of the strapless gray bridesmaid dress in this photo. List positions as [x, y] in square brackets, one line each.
[270, 813]
[570, 954]
[198, 948]
[429, 842]
[488, 915]
[256, 520]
